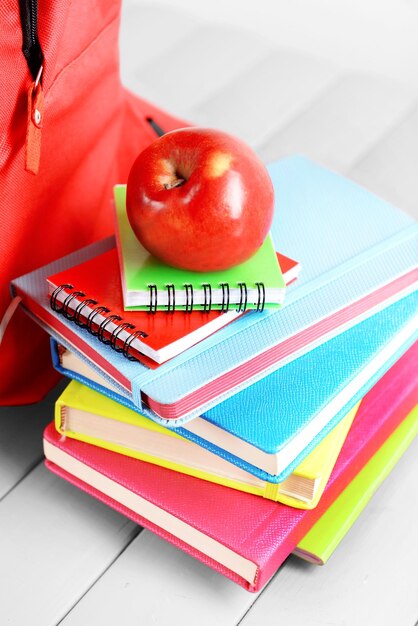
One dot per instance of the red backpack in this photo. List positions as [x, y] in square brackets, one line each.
[69, 131]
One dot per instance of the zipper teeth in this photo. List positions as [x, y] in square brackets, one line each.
[31, 47]
[33, 8]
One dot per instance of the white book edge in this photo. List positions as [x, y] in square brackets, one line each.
[153, 513]
[272, 463]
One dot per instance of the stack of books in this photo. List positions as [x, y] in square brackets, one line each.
[247, 414]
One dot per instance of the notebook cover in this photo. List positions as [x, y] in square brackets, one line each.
[266, 415]
[139, 269]
[95, 270]
[260, 530]
[290, 268]
[358, 254]
[323, 538]
[99, 279]
[181, 455]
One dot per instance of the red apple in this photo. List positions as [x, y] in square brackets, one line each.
[200, 199]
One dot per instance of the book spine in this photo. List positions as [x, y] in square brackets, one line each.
[83, 311]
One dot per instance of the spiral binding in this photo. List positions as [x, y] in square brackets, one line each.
[55, 295]
[207, 294]
[225, 297]
[115, 334]
[102, 327]
[261, 296]
[90, 319]
[171, 298]
[189, 304]
[128, 341]
[243, 295]
[189, 297]
[79, 309]
[66, 303]
[153, 298]
[76, 316]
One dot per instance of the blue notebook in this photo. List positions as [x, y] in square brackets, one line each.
[269, 428]
[358, 255]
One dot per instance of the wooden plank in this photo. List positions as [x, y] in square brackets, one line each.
[153, 582]
[343, 123]
[62, 553]
[55, 541]
[390, 169]
[370, 579]
[21, 429]
[267, 96]
[199, 65]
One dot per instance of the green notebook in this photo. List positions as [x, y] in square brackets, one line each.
[150, 284]
[322, 539]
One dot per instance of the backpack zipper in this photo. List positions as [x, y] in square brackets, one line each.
[155, 127]
[33, 54]
[31, 47]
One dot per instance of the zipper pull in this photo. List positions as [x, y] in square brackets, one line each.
[34, 124]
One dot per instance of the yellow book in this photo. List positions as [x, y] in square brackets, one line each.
[87, 415]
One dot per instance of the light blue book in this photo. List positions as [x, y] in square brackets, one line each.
[269, 427]
[358, 255]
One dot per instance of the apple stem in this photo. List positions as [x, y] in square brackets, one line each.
[175, 183]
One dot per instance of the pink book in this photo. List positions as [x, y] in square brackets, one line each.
[244, 537]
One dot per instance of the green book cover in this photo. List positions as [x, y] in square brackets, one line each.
[148, 283]
[323, 538]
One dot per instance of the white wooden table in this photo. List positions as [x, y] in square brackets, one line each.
[67, 559]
